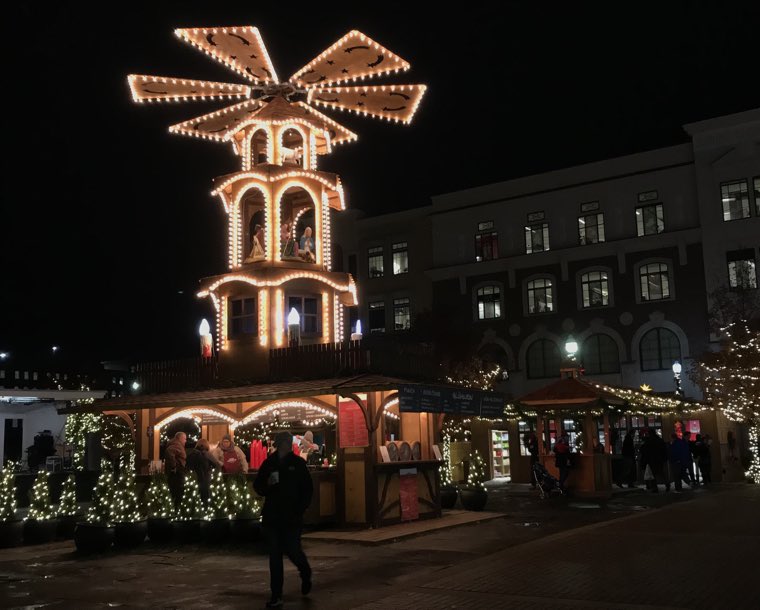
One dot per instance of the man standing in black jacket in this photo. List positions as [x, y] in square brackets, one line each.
[285, 483]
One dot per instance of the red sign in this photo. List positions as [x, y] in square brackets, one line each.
[352, 426]
[410, 504]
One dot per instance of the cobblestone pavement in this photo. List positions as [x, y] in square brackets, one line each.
[569, 554]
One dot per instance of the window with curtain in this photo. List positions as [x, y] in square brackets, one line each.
[595, 288]
[489, 302]
[540, 297]
[655, 282]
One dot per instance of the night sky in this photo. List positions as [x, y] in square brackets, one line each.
[107, 221]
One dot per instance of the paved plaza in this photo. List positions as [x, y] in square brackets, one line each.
[694, 550]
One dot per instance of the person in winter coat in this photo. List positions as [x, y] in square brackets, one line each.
[175, 463]
[201, 462]
[678, 456]
[531, 444]
[285, 483]
[230, 456]
[653, 453]
[704, 457]
[629, 461]
[562, 459]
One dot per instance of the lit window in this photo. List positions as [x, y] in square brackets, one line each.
[735, 197]
[242, 319]
[376, 263]
[650, 220]
[543, 359]
[655, 282]
[600, 355]
[742, 273]
[376, 317]
[489, 302]
[487, 246]
[402, 314]
[591, 229]
[308, 309]
[596, 289]
[400, 258]
[659, 349]
[540, 298]
[536, 238]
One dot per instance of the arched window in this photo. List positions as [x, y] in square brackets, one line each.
[595, 287]
[540, 298]
[600, 355]
[259, 147]
[489, 302]
[655, 282]
[543, 359]
[659, 348]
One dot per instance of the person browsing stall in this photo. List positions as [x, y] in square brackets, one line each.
[230, 456]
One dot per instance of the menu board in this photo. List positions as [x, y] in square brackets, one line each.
[408, 402]
[491, 405]
[352, 427]
[452, 401]
[464, 402]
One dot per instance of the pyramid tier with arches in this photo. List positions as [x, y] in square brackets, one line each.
[278, 204]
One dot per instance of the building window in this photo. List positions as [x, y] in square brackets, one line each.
[756, 182]
[595, 288]
[659, 349]
[741, 269]
[242, 318]
[536, 238]
[650, 220]
[540, 296]
[376, 318]
[735, 196]
[402, 314]
[487, 246]
[489, 302]
[655, 282]
[400, 258]
[376, 263]
[308, 309]
[591, 228]
[600, 355]
[543, 359]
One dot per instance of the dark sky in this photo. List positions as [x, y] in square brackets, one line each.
[107, 222]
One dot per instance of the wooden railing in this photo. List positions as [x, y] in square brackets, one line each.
[322, 360]
[176, 375]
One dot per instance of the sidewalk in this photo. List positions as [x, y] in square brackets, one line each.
[698, 554]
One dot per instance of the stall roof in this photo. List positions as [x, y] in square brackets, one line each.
[246, 393]
[570, 391]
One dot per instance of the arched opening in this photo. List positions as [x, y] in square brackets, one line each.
[543, 359]
[659, 349]
[253, 206]
[292, 147]
[600, 355]
[298, 239]
[259, 147]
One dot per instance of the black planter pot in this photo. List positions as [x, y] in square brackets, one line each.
[448, 496]
[187, 532]
[160, 531]
[215, 531]
[130, 535]
[246, 530]
[66, 526]
[93, 537]
[39, 532]
[473, 498]
[11, 533]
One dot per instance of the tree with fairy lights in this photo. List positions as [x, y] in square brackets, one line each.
[68, 507]
[241, 501]
[126, 508]
[191, 508]
[8, 494]
[219, 505]
[40, 508]
[78, 426]
[159, 503]
[476, 476]
[101, 508]
[730, 380]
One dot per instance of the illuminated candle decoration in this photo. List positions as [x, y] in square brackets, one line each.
[207, 345]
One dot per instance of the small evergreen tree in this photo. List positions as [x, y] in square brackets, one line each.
[160, 504]
[476, 477]
[68, 506]
[102, 501]
[191, 507]
[40, 508]
[8, 493]
[125, 506]
[219, 506]
[241, 500]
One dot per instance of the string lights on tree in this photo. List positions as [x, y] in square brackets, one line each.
[40, 508]
[159, 500]
[7, 493]
[219, 505]
[68, 507]
[126, 508]
[191, 508]
[101, 508]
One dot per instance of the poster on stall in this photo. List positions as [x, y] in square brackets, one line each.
[410, 505]
[351, 425]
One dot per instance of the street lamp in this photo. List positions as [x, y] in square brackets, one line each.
[677, 377]
[135, 386]
[55, 349]
[4, 355]
[571, 347]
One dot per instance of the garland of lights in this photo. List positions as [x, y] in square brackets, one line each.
[68, 507]
[159, 499]
[78, 426]
[8, 493]
[40, 508]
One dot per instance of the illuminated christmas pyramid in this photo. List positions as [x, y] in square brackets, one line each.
[278, 203]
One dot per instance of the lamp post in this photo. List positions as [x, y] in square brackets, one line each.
[294, 328]
[207, 343]
[677, 378]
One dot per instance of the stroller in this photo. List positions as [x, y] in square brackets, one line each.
[546, 483]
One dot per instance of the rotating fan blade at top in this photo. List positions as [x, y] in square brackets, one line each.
[392, 102]
[217, 125]
[169, 89]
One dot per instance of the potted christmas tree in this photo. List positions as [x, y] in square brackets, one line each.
[40, 524]
[246, 511]
[448, 489]
[473, 494]
[96, 534]
[216, 527]
[160, 510]
[130, 527]
[11, 527]
[68, 509]
[187, 524]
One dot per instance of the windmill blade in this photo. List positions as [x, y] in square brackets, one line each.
[339, 134]
[392, 102]
[353, 57]
[168, 89]
[216, 125]
[239, 48]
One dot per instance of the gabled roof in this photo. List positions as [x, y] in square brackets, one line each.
[570, 391]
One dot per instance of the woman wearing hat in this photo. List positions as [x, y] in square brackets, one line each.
[230, 456]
